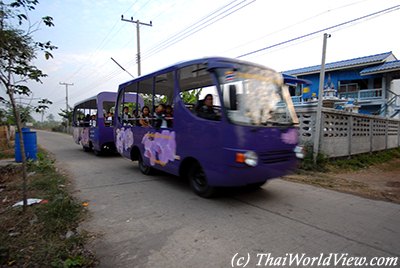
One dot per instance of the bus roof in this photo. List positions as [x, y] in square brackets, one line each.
[179, 65]
[92, 101]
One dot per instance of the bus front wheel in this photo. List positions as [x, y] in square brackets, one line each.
[145, 169]
[199, 183]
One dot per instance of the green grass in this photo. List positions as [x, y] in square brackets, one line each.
[37, 237]
[355, 162]
[361, 161]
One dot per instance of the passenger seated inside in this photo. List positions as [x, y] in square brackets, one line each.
[109, 119]
[93, 120]
[125, 115]
[145, 119]
[205, 108]
[169, 115]
[86, 121]
[135, 118]
[159, 117]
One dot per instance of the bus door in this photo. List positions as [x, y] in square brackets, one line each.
[158, 137]
[200, 123]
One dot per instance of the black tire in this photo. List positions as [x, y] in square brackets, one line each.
[199, 183]
[86, 149]
[145, 169]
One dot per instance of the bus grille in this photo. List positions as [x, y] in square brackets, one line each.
[276, 156]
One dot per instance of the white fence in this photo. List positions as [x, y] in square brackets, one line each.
[345, 133]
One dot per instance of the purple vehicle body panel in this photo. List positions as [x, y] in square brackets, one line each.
[99, 136]
[216, 146]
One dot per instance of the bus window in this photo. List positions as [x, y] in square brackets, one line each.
[198, 92]
[128, 106]
[163, 101]
[108, 112]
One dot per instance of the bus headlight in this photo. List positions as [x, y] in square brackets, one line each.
[250, 158]
[299, 150]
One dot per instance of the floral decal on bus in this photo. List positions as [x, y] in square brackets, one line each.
[160, 148]
[85, 137]
[124, 139]
[290, 137]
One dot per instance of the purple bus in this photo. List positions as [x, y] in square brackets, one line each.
[93, 121]
[222, 122]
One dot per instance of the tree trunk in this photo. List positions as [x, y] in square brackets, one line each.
[22, 147]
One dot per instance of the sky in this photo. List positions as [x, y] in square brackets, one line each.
[89, 32]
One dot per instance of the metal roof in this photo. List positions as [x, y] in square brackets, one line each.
[367, 60]
[387, 66]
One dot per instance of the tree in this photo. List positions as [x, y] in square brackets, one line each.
[17, 51]
[67, 115]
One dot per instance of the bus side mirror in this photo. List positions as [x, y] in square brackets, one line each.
[230, 100]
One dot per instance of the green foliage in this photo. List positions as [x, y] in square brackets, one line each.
[67, 115]
[61, 213]
[148, 100]
[18, 50]
[42, 240]
[308, 162]
[7, 116]
[77, 261]
[42, 164]
[43, 105]
[360, 161]
[354, 162]
[191, 97]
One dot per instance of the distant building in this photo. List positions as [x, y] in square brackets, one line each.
[372, 83]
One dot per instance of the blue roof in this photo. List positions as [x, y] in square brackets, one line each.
[387, 66]
[367, 60]
[289, 79]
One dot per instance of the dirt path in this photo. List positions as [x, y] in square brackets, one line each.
[381, 182]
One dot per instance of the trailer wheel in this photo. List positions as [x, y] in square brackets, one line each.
[199, 183]
[145, 169]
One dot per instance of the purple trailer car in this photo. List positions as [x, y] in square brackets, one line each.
[93, 121]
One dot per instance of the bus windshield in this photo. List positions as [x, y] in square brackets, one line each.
[255, 96]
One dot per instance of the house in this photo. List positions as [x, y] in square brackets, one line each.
[370, 83]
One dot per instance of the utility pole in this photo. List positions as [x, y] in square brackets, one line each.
[138, 23]
[318, 122]
[66, 98]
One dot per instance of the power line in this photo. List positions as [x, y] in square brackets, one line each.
[114, 73]
[188, 28]
[296, 24]
[196, 27]
[209, 21]
[378, 13]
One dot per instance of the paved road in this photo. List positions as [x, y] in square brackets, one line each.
[156, 221]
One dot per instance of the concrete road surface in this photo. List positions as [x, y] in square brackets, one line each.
[157, 221]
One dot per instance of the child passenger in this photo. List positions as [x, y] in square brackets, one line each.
[145, 118]
[159, 121]
[169, 115]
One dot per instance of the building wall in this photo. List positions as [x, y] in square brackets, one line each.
[345, 134]
[335, 77]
